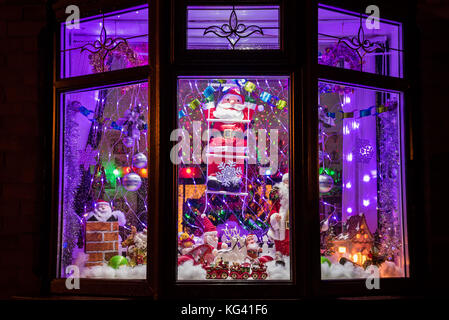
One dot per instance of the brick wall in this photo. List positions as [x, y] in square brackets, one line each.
[21, 142]
[101, 242]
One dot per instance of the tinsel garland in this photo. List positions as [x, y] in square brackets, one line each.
[389, 234]
[71, 224]
[340, 55]
[122, 50]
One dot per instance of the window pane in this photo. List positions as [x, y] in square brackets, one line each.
[233, 162]
[351, 41]
[112, 41]
[228, 27]
[361, 182]
[104, 182]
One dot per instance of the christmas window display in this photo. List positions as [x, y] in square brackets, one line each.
[104, 182]
[361, 178]
[107, 42]
[359, 41]
[232, 155]
[233, 27]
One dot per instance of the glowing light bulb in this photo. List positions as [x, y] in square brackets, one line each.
[116, 172]
[366, 202]
[347, 99]
[349, 157]
[349, 210]
[348, 185]
[366, 178]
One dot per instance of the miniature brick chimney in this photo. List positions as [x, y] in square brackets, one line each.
[101, 241]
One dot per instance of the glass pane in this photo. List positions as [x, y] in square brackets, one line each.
[233, 27]
[351, 41]
[233, 162]
[113, 41]
[362, 209]
[104, 182]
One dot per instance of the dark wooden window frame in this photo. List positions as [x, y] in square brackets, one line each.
[297, 58]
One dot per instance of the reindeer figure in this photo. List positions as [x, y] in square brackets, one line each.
[237, 250]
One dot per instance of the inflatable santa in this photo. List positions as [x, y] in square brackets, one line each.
[279, 217]
[229, 121]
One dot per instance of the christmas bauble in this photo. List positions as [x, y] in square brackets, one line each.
[128, 141]
[326, 183]
[139, 160]
[117, 261]
[131, 181]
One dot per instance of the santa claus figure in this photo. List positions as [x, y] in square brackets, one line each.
[103, 212]
[229, 121]
[279, 218]
[253, 250]
[205, 253]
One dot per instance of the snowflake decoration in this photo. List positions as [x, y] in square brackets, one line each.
[88, 157]
[229, 174]
[364, 151]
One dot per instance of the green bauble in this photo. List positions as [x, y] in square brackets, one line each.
[325, 260]
[117, 261]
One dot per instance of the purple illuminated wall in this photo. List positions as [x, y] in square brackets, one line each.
[256, 27]
[130, 26]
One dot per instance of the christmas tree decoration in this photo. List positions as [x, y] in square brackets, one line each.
[117, 261]
[139, 160]
[128, 141]
[326, 183]
[131, 182]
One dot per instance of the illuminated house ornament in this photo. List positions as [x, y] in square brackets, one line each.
[103, 46]
[233, 31]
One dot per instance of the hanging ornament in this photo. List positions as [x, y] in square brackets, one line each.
[194, 104]
[265, 96]
[139, 160]
[326, 183]
[249, 86]
[128, 141]
[280, 104]
[132, 181]
[260, 107]
[209, 91]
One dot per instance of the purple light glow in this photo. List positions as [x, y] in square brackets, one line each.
[201, 17]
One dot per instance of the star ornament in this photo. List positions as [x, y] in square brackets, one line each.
[233, 31]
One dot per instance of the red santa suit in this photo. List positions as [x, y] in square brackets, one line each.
[279, 229]
[227, 146]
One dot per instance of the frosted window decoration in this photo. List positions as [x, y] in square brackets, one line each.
[104, 181]
[345, 41]
[233, 27]
[233, 188]
[111, 41]
[361, 209]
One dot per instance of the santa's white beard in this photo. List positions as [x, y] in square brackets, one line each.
[228, 111]
[252, 246]
[104, 214]
[211, 240]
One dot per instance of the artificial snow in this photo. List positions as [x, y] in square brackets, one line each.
[278, 272]
[107, 272]
[350, 271]
[188, 271]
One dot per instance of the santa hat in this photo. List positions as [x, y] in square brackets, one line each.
[209, 227]
[100, 201]
[233, 91]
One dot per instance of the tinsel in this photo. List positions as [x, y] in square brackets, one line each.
[340, 55]
[71, 223]
[122, 50]
[388, 168]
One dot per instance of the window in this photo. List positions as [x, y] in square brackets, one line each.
[352, 41]
[233, 186]
[236, 27]
[362, 209]
[104, 127]
[103, 43]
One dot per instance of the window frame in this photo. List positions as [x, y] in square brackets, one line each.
[407, 87]
[102, 287]
[297, 58]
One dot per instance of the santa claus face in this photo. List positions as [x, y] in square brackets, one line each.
[251, 243]
[103, 208]
[230, 107]
[211, 239]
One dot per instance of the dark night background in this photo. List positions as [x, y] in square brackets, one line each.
[25, 131]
